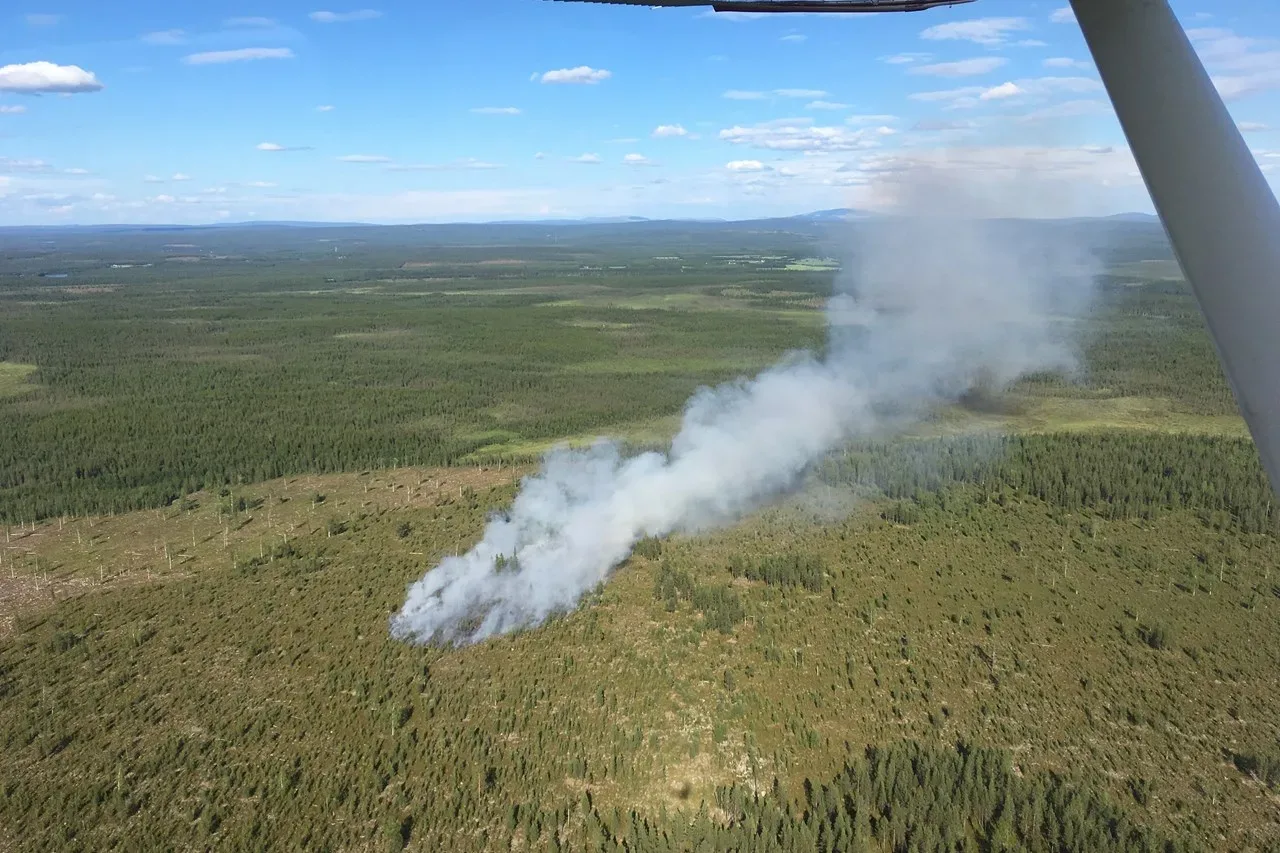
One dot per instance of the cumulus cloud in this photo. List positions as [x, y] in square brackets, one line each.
[746, 166]
[496, 111]
[582, 75]
[999, 93]
[871, 119]
[345, 17]
[244, 54]
[985, 31]
[962, 68]
[166, 37]
[1031, 89]
[12, 109]
[179, 176]
[588, 159]
[275, 146]
[670, 131]
[775, 136]
[1245, 126]
[364, 158]
[325, 108]
[35, 78]
[637, 160]
[1063, 15]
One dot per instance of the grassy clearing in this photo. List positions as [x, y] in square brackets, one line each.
[14, 378]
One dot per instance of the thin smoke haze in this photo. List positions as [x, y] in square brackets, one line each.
[929, 306]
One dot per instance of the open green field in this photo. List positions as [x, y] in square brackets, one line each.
[14, 378]
[1046, 620]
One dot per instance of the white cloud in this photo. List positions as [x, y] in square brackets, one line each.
[1240, 66]
[1069, 109]
[275, 146]
[793, 38]
[779, 136]
[825, 105]
[9, 164]
[75, 171]
[942, 126]
[456, 165]
[747, 95]
[582, 75]
[799, 93]
[364, 158]
[36, 19]
[34, 78]
[244, 54]
[496, 111]
[1063, 15]
[1253, 127]
[1032, 88]
[999, 93]
[345, 17]
[249, 23]
[637, 160]
[746, 166]
[541, 155]
[152, 179]
[871, 119]
[669, 131]
[325, 108]
[906, 58]
[962, 68]
[166, 37]
[1067, 62]
[987, 31]
[12, 109]
[591, 159]
[260, 185]
[179, 176]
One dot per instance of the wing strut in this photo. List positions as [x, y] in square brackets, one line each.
[1221, 216]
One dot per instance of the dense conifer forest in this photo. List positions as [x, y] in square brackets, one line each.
[1044, 620]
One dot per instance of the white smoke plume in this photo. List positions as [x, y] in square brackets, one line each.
[929, 305]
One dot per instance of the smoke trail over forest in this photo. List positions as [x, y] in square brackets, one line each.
[929, 306]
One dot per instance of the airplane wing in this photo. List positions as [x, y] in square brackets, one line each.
[791, 5]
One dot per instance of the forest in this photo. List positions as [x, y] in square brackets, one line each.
[1043, 620]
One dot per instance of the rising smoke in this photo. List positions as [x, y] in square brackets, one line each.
[930, 305]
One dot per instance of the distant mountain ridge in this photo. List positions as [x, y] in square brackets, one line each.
[839, 214]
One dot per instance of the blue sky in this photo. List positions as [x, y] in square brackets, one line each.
[411, 111]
